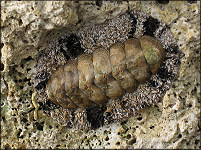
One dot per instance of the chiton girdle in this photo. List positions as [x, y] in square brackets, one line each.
[130, 104]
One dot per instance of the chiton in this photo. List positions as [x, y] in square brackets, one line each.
[93, 78]
[108, 88]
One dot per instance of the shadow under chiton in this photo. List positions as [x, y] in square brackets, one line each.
[107, 72]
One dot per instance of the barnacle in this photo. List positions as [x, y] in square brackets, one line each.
[94, 78]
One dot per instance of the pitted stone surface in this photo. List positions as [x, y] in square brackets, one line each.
[172, 123]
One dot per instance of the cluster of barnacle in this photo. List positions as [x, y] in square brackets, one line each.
[116, 76]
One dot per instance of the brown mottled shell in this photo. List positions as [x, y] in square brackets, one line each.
[94, 78]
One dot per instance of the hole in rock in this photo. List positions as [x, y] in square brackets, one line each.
[24, 120]
[192, 1]
[2, 66]
[139, 118]
[39, 126]
[132, 141]
[151, 127]
[162, 1]
[128, 136]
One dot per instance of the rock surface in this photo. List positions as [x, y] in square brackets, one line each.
[27, 27]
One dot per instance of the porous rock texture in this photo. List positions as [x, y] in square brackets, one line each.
[26, 29]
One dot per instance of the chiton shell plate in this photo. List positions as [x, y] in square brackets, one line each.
[105, 74]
